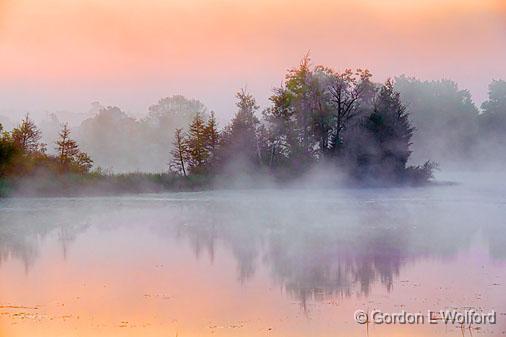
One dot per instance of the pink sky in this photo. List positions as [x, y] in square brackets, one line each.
[64, 54]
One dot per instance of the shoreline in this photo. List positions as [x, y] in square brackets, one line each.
[147, 183]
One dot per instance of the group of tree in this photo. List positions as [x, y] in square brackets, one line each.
[344, 119]
[311, 118]
[203, 149]
[444, 115]
[318, 116]
[121, 143]
[22, 153]
[450, 127]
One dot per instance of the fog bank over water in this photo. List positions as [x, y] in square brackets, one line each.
[253, 168]
[449, 128]
[327, 251]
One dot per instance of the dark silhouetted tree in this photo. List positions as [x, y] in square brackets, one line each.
[8, 153]
[239, 141]
[379, 146]
[350, 94]
[179, 153]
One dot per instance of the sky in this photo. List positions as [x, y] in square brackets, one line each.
[65, 54]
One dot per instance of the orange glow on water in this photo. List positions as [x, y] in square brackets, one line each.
[165, 266]
[114, 293]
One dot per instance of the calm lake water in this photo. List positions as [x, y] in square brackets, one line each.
[253, 263]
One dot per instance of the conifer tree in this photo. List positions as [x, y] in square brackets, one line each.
[70, 158]
[240, 136]
[381, 145]
[212, 139]
[197, 149]
[27, 137]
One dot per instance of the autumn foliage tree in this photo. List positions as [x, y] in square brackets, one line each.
[197, 145]
[196, 151]
[212, 136]
[318, 117]
[27, 137]
[70, 158]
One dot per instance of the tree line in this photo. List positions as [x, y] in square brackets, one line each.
[318, 117]
[450, 127]
[22, 152]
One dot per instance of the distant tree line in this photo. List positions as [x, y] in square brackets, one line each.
[120, 143]
[449, 126]
[318, 117]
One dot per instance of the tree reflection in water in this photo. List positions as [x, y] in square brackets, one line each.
[315, 247]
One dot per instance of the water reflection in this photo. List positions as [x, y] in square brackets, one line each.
[24, 224]
[315, 247]
[214, 263]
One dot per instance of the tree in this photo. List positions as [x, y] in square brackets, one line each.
[8, 152]
[83, 162]
[197, 150]
[313, 108]
[70, 158]
[167, 115]
[496, 102]
[27, 137]
[445, 117]
[114, 139]
[493, 119]
[179, 153]
[379, 147]
[121, 143]
[174, 112]
[278, 118]
[393, 130]
[349, 92]
[212, 136]
[491, 140]
[303, 93]
[299, 120]
[239, 141]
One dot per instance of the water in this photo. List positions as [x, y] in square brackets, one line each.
[253, 263]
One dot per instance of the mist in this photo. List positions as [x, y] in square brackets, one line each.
[305, 253]
[225, 168]
[450, 128]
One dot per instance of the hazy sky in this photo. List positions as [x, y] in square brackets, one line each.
[64, 54]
